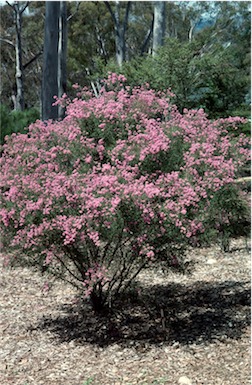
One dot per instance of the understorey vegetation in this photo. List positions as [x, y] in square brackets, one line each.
[123, 182]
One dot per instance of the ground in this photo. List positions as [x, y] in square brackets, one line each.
[195, 326]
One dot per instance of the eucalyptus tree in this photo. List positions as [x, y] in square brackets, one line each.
[159, 25]
[24, 50]
[18, 9]
[120, 28]
[54, 63]
[91, 42]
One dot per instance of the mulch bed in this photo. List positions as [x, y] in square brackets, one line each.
[169, 326]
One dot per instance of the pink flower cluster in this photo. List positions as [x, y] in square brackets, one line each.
[64, 189]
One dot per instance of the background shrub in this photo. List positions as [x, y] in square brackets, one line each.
[16, 121]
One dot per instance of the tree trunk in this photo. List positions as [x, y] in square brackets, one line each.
[50, 61]
[62, 55]
[119, 41]
[159, 25]
[147, 37]
[19, 64]
[190, 34]
[54, 61]
[120, 30]
[18, 10]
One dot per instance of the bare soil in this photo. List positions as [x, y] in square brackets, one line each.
[195, 326]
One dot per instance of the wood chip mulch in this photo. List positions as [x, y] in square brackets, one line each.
[191, 329]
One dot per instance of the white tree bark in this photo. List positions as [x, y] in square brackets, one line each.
[62, 54]
[159, 25]
[190, 34]
[18, 10]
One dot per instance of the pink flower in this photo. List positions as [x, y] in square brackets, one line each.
[88, 159]
[150, 254]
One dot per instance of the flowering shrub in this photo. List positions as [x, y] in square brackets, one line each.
[122, 182]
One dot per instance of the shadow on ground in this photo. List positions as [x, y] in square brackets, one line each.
[174, 313]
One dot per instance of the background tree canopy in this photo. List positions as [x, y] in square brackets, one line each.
[204, 54]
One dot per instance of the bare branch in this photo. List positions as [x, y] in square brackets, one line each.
[24, 7]
[7, 41]
[67, 269]
[9, 5]
[242, 180]
[111, 13]
[95, 89]
[32, 59]
[76, 10]
[16, 9]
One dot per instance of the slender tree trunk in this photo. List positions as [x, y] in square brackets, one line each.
[119, 41]
[190, 34]
[18, 10]
[19, 64]
[120, 30]
[54, 62]
[147, 37]
[62, 55]
[159, 25]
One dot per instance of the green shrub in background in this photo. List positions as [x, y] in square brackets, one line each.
[15, 121]
[211, 78]
[245, 112]
[228, 217]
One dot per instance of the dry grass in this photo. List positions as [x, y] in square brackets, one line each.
[196, 326]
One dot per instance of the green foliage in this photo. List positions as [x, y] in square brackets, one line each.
[88, 30]
[221, 85]
[210, 78]
[166, 161]
[211, 69]
[244, 112]
[228, 216]
[15, 121]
